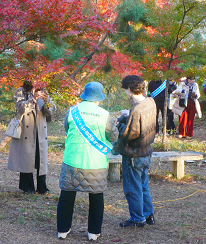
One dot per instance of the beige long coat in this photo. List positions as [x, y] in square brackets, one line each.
[22, 151]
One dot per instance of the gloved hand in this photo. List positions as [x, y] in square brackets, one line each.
[121, 127]
[122, 119]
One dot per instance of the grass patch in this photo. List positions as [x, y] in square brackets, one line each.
[28, 208]
[174, 144]
[199, 178]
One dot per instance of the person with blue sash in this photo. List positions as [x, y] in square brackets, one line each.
[156, 90]
[89, 129]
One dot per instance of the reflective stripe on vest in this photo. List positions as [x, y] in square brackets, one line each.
[87, 133]
[159, 89]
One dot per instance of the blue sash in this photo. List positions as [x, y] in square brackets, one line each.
[87, 133]
[159, 89]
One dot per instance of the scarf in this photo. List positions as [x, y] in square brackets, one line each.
[191, 85]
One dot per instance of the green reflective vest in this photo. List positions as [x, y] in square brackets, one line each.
[78, 152]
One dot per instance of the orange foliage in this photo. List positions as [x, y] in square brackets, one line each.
[150, 30]
[161, 3]
[32, 44]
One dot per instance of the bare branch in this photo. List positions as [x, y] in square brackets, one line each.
[186, 11]
[184, 55]
[2, 50]
[181, 25]
[196, 24]
[33, 37]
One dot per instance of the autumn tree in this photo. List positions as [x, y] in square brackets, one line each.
[50, 41]
[195, 55]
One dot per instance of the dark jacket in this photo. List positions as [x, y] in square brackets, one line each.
[153, 85]
[140, 129]
[172, 87]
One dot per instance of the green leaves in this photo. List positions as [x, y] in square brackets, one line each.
[6, 102]
[164, 37]
[131, 10]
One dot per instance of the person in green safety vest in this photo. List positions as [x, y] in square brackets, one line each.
[89, 129]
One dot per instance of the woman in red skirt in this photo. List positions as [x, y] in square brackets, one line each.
[190, 87]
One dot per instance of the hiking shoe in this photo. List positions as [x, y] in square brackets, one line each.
[93, 237]
[63, 235]
[46, 193]
[127, 223]
[181, 136]
[189, 137]
[150, 219]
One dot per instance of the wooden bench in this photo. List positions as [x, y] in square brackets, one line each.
[177, 159]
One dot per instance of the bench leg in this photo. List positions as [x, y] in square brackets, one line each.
[178, 168]
[114, 172]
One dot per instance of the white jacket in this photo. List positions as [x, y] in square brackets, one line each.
[196, 90]
[182, 86]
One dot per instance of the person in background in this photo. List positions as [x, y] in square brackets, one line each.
[156, 90]
[30, 151]
[171, 128]
[89, 130]
[137, 132]
[204, 89]
[191, 88]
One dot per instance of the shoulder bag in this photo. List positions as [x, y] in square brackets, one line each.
[14, 128]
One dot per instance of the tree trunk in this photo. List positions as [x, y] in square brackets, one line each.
[108, 100]
[165, 104]
[203, 105]
[165, 113]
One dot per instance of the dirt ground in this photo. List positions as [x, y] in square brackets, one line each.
[180, 207]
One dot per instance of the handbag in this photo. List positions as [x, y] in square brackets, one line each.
[14, 128]
[182, 102]
[176, 109]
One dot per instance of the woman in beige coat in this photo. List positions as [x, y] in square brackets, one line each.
[30, 151]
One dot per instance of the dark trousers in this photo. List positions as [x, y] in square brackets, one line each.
[65, 210]
[160, 107]
[26, 181]
[170, 121]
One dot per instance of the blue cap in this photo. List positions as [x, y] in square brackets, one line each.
[93, 92]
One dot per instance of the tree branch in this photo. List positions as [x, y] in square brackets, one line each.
[204, 17]
[90, 55]
[181, 25]
[185, 55]
[33, 37]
